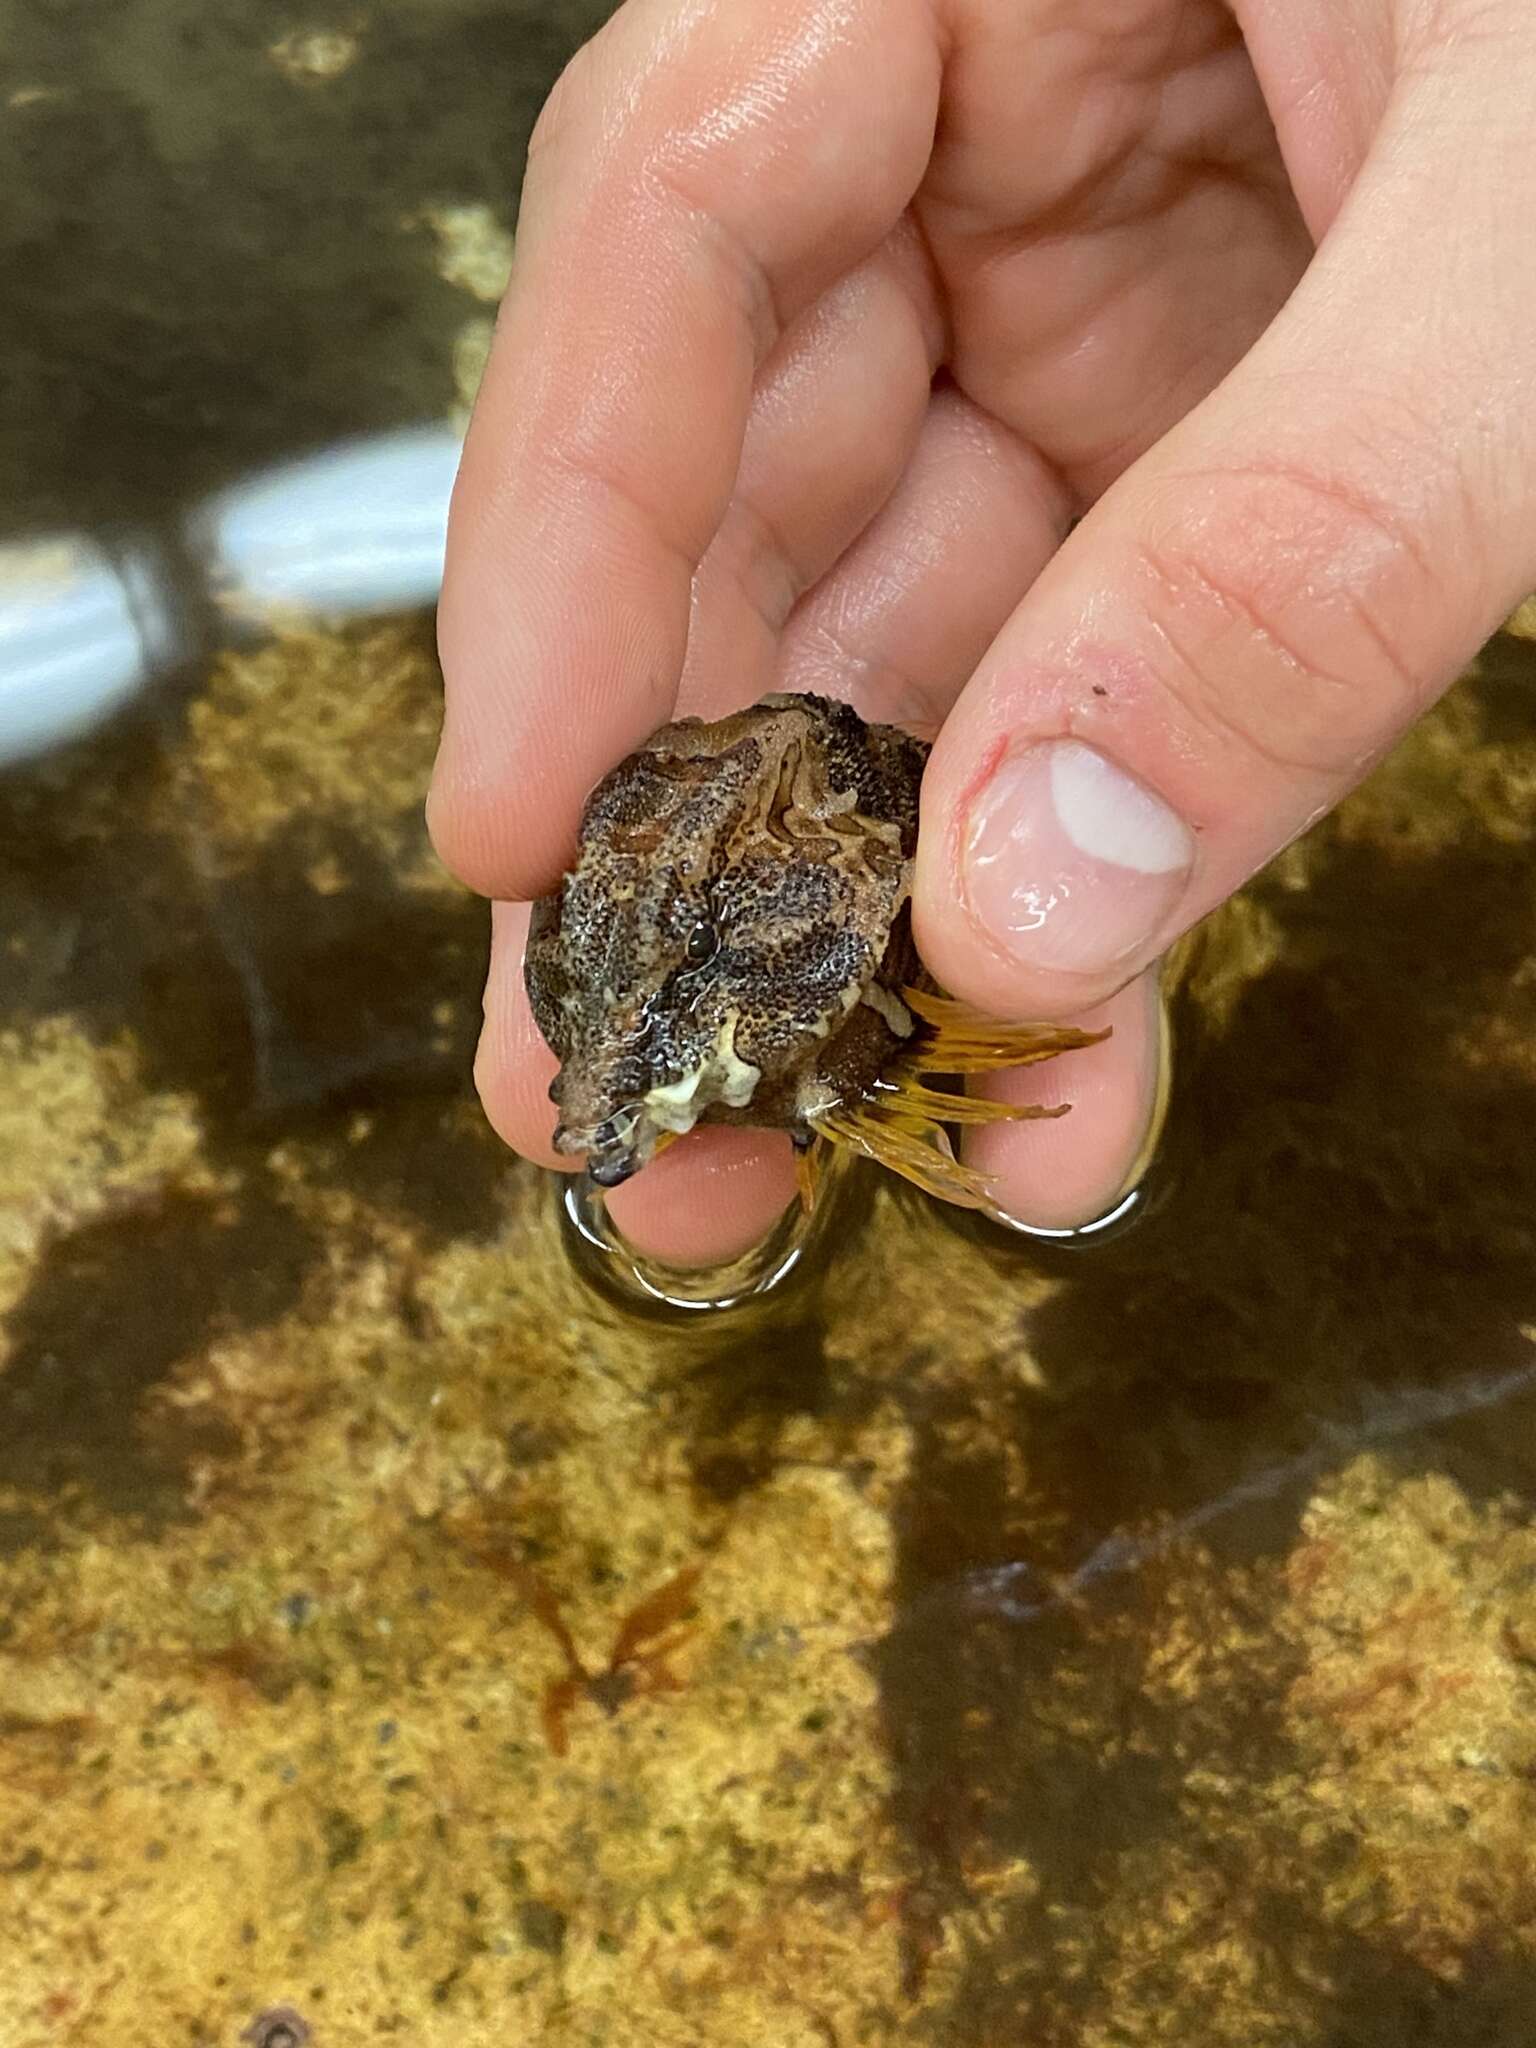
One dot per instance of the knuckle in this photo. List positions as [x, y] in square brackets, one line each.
[686, 188]
[619, 132]
[759, 563]
[1288, 605]
[565, 109]
[838, 652]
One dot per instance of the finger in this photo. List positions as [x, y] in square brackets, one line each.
[900, 623]
[835, 416]
[709, 1199]
[699, 177]
[1108, 259]
[1250, 617]
[513, 1065]
[1062, 1172]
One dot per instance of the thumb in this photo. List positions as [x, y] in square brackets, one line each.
[1253, 613]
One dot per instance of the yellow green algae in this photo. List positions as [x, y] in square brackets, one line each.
[981, 1646]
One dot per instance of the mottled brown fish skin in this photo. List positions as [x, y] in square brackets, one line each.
[731, 943]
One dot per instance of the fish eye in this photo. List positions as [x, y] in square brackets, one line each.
[701, 945]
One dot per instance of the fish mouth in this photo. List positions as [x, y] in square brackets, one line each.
[612, 1169]
[617, 1146]
[615, 1149]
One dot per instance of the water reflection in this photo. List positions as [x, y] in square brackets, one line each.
[80, 633]
[355, 531]
[777, 1261]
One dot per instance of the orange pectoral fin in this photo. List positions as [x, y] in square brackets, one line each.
[810, 1164]
[961, 1040]
[918, 1153]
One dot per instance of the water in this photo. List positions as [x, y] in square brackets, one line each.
[401, 1637]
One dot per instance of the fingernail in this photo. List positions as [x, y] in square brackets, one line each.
[1070, 863]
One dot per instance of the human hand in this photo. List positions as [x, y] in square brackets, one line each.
[829, 317]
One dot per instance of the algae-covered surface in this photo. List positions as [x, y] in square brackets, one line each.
[402, 1641]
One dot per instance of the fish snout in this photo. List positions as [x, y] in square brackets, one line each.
[613, 1147]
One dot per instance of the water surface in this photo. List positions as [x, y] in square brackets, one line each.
[401, 1641]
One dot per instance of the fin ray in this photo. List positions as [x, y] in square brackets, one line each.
[961, 1040]
[810, 1163]
[910, 1095]
[927, 1162]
